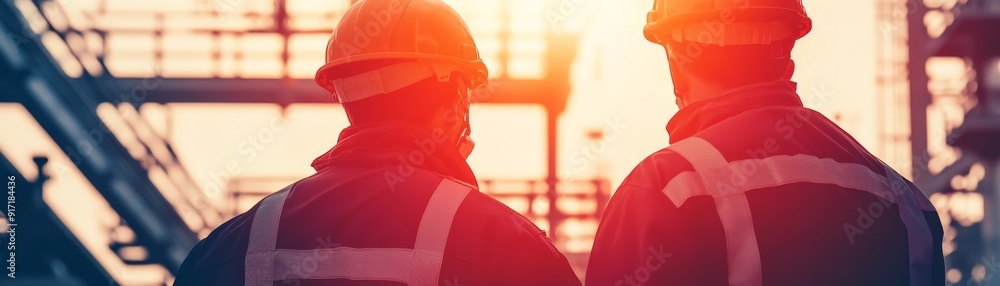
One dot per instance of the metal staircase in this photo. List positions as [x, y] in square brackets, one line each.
[49, 253]
[74, 106]
[962, 32]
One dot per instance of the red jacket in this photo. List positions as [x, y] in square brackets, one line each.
[388, 205]
[758, 190]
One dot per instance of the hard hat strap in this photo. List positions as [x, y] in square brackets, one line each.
[389, 79]
[465, 143]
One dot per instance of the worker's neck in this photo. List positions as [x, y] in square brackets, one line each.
[446, 125]
[700, 90]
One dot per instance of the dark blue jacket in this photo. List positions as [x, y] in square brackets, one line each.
[370, 192]
[758, 190]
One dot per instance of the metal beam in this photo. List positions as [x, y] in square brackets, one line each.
[66, 109]
[941, 182]
[920, 97]
[293, 91]
[973, 34]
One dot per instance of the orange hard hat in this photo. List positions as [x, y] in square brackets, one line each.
[726, 22]
[384, 45]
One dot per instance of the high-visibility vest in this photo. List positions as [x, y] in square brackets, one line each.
[713, 177]
[420, 265]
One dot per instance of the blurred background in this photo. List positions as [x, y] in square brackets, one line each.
[133, 128]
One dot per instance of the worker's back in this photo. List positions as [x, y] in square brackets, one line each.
[758, 190]
[386, 208]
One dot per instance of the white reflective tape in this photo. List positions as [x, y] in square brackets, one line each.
[381, 81]
[729, 34]
[432, 235]
[683, 187]
[918, 232]
[344, 263]
[781, 170]
[742, 253]
[701, 154]
[420, 266]
[389, 79]
[728, 184]
[912, 204]
[435, 226]
[259, 261]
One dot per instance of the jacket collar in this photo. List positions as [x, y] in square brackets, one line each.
[392, 143]
[703, 114]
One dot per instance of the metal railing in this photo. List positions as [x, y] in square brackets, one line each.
[582, 202]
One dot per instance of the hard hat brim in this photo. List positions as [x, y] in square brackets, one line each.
[802, 23]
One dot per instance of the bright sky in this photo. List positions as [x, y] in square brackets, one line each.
[620, 85]
[622, 76]
[619, 79]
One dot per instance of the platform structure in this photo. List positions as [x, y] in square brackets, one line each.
[529, 59]
[955, 105]
[97, 63]
[48, 68]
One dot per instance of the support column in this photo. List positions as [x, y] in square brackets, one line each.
[554, 216]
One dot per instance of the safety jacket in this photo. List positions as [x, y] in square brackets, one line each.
[390, 204]
[758, 190]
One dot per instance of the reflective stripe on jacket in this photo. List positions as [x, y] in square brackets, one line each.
[420, 265]
[388, 205]
[758, 190]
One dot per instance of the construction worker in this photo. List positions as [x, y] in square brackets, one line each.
[756, 189]
[394, 202]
